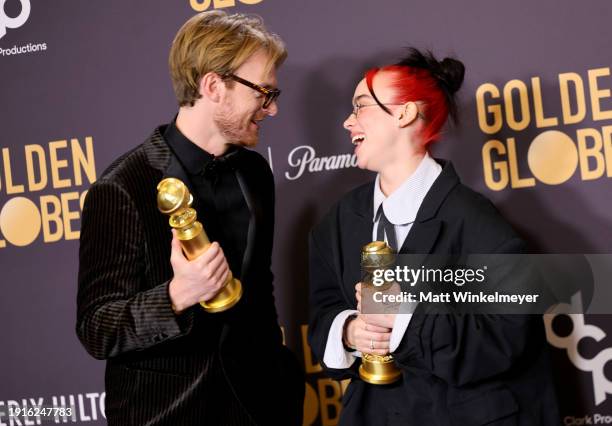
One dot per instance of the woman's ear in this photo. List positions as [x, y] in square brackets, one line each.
[408, 114]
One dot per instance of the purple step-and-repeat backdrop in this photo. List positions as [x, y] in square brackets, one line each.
[82, 82]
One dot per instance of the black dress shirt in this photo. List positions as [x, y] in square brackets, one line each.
[220, 203]
[223, 212]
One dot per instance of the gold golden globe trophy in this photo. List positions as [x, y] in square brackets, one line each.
[174, 200]
[376, 369]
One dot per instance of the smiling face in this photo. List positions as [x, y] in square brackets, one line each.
[374, 132]
[240, 112]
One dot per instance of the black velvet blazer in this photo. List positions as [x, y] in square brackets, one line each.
[161, 368]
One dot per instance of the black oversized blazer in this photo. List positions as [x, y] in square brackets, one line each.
[457, 369]
[160, 366]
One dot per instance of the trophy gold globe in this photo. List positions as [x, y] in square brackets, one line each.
[174, 200]
[377, 369]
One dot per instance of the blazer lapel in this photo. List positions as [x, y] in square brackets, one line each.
[255, 208]
[176, 170]
[424, 233]
[356, 232]
[422, 237]
[169, 164]
[161, 157]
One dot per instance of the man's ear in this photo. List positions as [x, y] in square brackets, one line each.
[212, 87]
[408, 114]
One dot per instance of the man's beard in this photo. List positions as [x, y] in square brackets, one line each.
[232, 130]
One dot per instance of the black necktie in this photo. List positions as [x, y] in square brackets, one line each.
[385, 227]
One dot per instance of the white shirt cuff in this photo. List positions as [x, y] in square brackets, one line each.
[335, 355]
[399, 328]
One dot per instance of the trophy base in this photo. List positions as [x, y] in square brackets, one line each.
[378, 370]
[228, 297]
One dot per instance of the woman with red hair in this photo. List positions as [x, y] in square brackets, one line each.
[456, 369]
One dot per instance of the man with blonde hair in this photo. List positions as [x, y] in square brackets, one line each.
[169, 361]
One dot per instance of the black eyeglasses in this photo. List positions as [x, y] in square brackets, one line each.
[270, 95]
[357, 107]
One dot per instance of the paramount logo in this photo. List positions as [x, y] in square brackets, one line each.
[304, 158]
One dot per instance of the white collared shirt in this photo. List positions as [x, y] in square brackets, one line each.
[401, 208]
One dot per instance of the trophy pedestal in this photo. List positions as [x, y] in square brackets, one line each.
[226, 298]
[378, 370]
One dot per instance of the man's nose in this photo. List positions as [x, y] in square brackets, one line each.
[272, 109]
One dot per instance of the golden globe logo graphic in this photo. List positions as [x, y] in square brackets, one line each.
[13, 22]
[562, 148]
[202, 5]
[28, 209]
